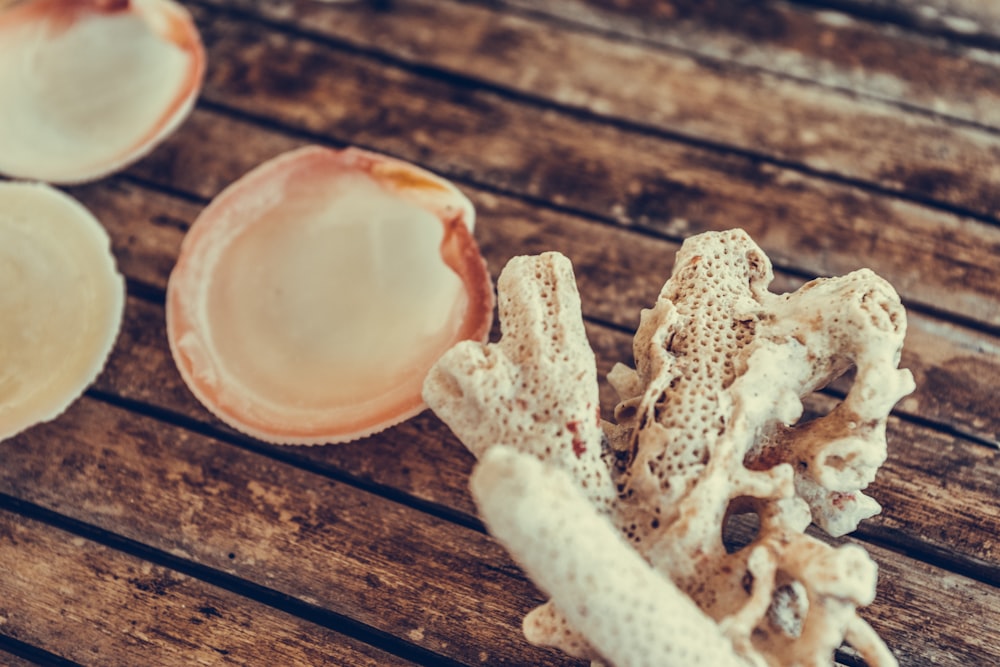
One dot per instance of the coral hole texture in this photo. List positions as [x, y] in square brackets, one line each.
[622, 524]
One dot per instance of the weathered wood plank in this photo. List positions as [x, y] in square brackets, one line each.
[855, 137]
[937, 489]
[904, 613]
[956, 372]
[444, 588]
[276, 517]
[619, 272]
[91, 604]
[977, 21]
[806, 42]
[11, 660]
[807, 223]
[433, 471]
[938, 496]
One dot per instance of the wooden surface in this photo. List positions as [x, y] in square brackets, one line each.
[137, 530]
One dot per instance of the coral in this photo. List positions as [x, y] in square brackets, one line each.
[622, 524]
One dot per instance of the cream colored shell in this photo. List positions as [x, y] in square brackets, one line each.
[624, 529]
[311, 296]
[61, 303]
[89, 86]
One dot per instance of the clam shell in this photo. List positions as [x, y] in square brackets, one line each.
[61, 303]
[89, 86]
[312, 296]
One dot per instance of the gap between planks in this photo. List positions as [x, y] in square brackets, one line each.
[315, 614]
[270, 530]
[691, 35]
[288, 455]
[173, 404]
[693, 137]
[156, 295]
[661, 186]
[288, 549]
[891, 540]
[975, 23]
[277, 126]
[205, 126]
[15, 653]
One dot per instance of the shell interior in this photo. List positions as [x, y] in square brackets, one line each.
[90, 86]
[313, 295]
[61, 302]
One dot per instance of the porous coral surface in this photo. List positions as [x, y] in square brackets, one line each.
[622, 524]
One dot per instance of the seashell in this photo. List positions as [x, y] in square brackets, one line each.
[61, 303]
[89, 86]
[311, 296]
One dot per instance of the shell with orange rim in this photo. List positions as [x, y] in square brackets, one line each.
[311, 296]
[90, 86]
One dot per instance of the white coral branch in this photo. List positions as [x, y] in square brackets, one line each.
[626, 532]
[632, 615]
[536, 390]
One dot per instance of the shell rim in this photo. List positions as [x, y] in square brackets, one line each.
[459, 251]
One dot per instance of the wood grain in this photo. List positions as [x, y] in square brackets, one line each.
[11, 660]
[97, 606]
[924, 155]
[900, 616]
[949, 517]
[608, 130]
[950, 367]
[832, 48]
[349, 551]
[804, 223]
[973, 21]
[936, 489]
[619, 272]
[319, 541]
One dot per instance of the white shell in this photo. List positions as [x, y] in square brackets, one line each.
[89, 86]
[312, 295]
[61, 303]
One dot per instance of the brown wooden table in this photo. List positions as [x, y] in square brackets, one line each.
[137, 530]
